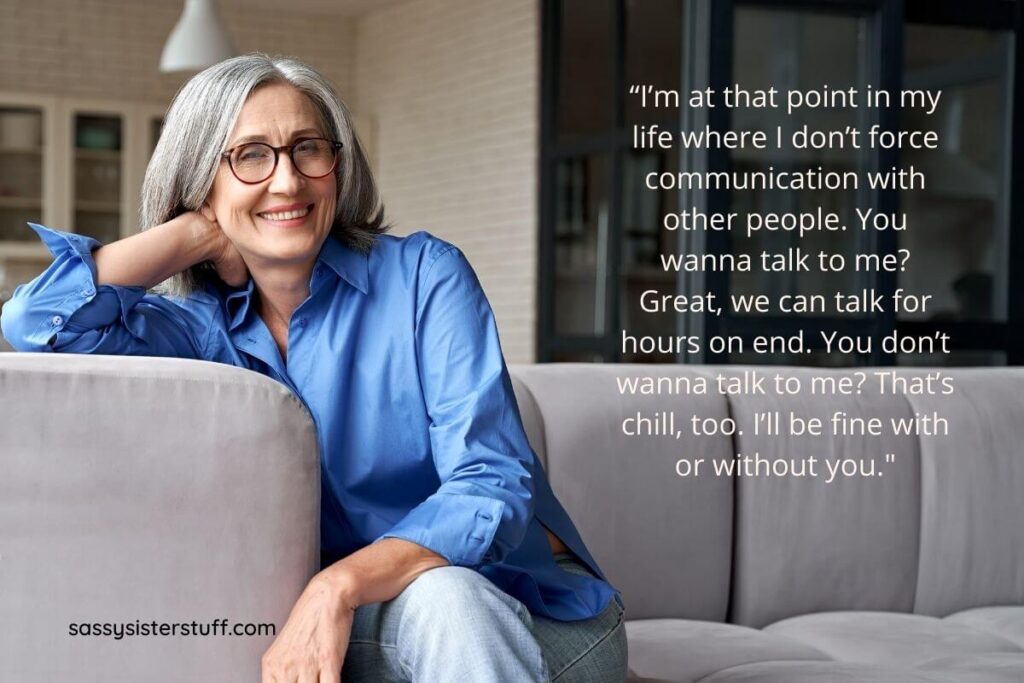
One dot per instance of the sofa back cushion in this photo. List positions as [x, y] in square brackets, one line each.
[972, 512]
[149, 490]
[805, 545]
[663, 540]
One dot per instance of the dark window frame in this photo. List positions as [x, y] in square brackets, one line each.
[889, 17]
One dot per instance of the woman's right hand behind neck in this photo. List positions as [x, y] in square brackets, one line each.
[151, 256]
[226, 259]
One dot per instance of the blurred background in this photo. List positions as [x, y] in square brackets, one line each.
[505, 127]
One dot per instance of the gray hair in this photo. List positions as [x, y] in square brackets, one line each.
[196, 129]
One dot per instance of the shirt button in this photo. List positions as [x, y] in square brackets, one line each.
[88, 291]
[56, 321]
[302, 322]
[319, 270]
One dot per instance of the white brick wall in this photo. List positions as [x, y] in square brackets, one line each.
[111, 48]
[451, 87]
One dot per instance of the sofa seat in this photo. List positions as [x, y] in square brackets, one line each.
[1005, 622]
[993, 668]
[988, 668]
[828, 672]
[976, 646]
[889, 638]
[686, 651]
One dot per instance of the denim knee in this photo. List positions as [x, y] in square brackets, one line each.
[450, 623]
[458, 599]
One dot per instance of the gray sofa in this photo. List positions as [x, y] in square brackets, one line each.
[142, 489]
[913, 576]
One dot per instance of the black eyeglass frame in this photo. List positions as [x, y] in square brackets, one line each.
[226, 155]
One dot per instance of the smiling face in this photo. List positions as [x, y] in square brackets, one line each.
[284, 219]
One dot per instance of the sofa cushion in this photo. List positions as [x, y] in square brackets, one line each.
[1005, 622]
[1001, 668]
[804, 545]
[824, 672]
[888, 638]
[652, 532]
[972, 538]
[992, 668]
[684, 651]
[533, 421]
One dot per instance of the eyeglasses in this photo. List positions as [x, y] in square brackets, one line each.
[254, 162]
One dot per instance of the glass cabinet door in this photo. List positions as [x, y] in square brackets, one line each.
[601, 235]
[652, 54]
[960, 236]
[98, 169]
[21, 172]
[156, 126]
[811, 50]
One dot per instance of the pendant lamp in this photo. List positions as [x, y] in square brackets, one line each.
[198, 40]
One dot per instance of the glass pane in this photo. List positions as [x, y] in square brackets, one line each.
[581, 239]
[798, 50]
[576, 357]
[585, 95]
[653, 54]
[21, 171]
[816, 359]
[156, 126]
[957, 231]
[643, 243]
[102, 225]
[953, 360]
[97, 182]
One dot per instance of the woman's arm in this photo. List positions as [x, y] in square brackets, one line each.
[484, 504]
[150, 257]
[380, 571]
[313, 642]
[93, 299]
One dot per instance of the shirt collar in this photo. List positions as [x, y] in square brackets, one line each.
[237, 304]
[352, 266]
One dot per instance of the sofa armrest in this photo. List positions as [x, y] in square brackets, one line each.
[140, 490]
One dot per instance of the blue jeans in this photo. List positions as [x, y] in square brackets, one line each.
[453, 624]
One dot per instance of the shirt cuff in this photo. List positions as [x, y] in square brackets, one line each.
[459, 527]
[58, 242]
[77, 304]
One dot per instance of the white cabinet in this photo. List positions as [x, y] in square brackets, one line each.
[71, 164]
[28, 163]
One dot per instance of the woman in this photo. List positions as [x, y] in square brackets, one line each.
[445, 554]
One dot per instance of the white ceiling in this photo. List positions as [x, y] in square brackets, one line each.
[343, 8]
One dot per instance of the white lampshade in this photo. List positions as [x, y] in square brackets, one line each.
[198, 40]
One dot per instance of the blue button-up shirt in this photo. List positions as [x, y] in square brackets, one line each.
[395, 353]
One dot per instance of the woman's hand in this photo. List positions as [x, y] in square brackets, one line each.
[225, 257]
[311, 647]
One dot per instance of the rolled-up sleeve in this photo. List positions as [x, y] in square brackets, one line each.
[63, 309]
[485, 502]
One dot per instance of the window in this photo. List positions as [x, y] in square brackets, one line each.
[601, 236]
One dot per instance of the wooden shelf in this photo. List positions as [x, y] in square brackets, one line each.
[24, 250]
[20, 203]
[33, 151]
[97, 207]
[97, 154]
